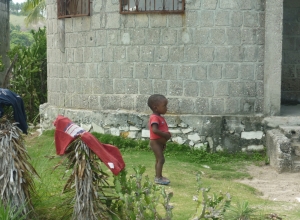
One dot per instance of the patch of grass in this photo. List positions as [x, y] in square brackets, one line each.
[219, 172]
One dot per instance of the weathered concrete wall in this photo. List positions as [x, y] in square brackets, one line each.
[208, 61]
[291, 44]
[4, 34]
[232, 133]
[273, 57]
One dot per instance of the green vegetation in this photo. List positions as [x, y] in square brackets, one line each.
[29, 75]
[18, 37]
[218, 176]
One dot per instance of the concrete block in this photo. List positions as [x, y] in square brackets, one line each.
[120, 54]
[236, 89]
[114, 70]
[186, 106]
[127, 70]
[157, 20]
[108, 86]
[194, 137]
[236, 18]
[160, 86]
[145, 133]
[209, 4]
[169, 72]
[142, 20]
[131, 86]
[206, 89]
[233, 36]
[133, 53]
[108, 54]
[236, 54]
[174, 20]
[137, 36]
[147, 53]
[169, 37]
[114, 131]
[246, 4]
[232, 105]
[222, 18]
[145, 86]
[176, 54]
[175, 88]
[191, 53]
[251, 53]
[217, 36]
[215, 71]
[97, 54]
[201, 36]
[259, 71]
[125, 38]
[191, 17]
[250, 19]
[103, 70]
[252, 135]
[229, 4]
[185, 37]
[113, 36]
[250, 89]
[113, 20]
[101, 38]
[134, 128]
[255, 148]
[206, 54]
[200, 72]
[247, 71]
[141, 71]
[152, 36]
[178, 140]
[119, 86]
[161, 54]
[207, 19]
[155, 70]
[231, 71]
[202, 106]
[185, 72]
[221, 54]
[248, 36]
[175, 131]
[217, 106]
[87, 54]
[191, 88]
[187, 130]
[221, 88]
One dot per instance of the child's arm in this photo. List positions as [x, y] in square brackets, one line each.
[158, 132]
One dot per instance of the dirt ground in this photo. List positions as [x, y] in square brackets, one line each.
[274, 186]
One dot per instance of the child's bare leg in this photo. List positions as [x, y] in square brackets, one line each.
[160, 159]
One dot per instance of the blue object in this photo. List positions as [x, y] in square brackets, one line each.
[10, 98]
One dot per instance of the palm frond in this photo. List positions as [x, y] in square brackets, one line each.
[16, 173]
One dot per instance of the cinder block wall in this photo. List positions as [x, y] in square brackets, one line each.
[291, 44]
[209, 60]
[4, 34]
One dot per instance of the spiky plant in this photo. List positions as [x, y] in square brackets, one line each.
[88, 182]
[16, 173]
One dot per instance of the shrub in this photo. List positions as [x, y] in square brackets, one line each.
[29, 73]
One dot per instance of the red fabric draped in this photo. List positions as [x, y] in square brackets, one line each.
[66, 132]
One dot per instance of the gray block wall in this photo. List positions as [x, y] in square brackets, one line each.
[208, 61]
[4, 34]
[291, 44]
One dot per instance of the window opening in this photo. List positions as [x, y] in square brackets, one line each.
[73, 8]
[151, 6]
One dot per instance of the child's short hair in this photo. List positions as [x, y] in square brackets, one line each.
[153, 99]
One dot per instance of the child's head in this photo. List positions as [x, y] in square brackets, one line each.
[158, 103]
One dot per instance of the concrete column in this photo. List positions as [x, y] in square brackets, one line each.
[273, 56]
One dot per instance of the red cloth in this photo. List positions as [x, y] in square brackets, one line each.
[66, 132]
[161, 123]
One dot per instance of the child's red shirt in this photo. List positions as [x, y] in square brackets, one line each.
[162, 125]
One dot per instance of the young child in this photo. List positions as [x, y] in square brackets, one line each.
[159, 134]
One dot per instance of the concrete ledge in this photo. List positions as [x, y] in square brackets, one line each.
[216, 132]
